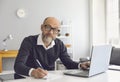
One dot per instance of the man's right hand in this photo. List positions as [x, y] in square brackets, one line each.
[39, 73]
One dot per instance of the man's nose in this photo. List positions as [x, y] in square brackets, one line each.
[51, 31]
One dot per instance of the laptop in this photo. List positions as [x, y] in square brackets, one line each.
[100, 58]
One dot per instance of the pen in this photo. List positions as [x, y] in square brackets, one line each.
[46, 77]
[39, 63]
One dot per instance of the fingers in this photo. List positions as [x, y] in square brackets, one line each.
[88, 64]
[85, 65]
[45, 72]
[39, 73]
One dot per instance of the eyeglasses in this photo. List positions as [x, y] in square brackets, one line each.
[49, 28]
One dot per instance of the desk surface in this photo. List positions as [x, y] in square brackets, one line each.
[109, 76]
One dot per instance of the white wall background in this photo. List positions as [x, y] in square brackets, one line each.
[113, 22]
[98, 22]
[76, 11]
[85, 32]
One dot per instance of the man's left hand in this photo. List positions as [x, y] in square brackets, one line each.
[85, 65]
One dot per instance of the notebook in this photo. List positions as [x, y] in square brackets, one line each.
[6, 77]
[10, 76]
[100, 58]
[114, 67]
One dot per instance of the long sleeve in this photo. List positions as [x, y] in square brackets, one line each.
[20, 62]
[66, 60]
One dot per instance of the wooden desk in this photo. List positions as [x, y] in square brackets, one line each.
[7, 54]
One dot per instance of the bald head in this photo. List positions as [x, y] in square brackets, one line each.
[50, 29]
[52, 21]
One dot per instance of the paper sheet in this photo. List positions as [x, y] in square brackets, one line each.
[52, 76]
[114, 67]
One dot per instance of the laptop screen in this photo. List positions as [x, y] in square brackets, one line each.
[100, 59]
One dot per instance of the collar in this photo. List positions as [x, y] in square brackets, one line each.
[40, 42]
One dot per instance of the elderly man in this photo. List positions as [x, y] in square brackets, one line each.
[38, 53]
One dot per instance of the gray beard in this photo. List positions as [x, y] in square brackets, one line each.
[47, 39]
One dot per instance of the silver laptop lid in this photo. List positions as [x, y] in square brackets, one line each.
[100, 59]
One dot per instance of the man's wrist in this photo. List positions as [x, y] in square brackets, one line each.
[30, 71]
[79, 66]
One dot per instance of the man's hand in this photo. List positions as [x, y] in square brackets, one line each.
[39, 73]
[85, 65]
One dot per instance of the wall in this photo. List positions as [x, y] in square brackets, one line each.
[76, 11]
[98, 22]
[113, 28]
[104, 22]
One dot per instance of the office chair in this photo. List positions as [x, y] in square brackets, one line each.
[115, 56]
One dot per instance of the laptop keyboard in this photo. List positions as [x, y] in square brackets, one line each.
[78, 72]
[82, 73]
[75, 71]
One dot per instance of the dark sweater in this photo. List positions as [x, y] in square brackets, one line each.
[30, 51]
